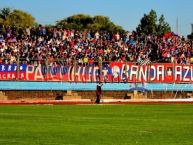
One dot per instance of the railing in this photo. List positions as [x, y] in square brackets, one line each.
[94, 71]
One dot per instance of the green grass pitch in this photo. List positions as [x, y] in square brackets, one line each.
[96, 125]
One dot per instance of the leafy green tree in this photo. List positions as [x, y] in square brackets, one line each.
[16, 19]
[78, 22]
[86, 22]
[163, 27]
[1, 21]
[19, 19]
[190, 36]
[4, 13]
[149, 25]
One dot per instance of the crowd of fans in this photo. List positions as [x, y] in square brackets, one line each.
[61, 46]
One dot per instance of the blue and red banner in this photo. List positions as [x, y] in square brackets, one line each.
[110, 72]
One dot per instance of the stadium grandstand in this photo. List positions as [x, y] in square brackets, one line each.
[66, 56]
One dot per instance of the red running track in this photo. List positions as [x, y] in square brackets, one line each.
[88, 102]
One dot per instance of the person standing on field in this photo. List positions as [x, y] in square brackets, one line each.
[98, 92]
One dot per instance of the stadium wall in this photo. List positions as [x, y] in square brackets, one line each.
[12, 90]
[64, 86]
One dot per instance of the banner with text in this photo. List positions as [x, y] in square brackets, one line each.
[110, 72]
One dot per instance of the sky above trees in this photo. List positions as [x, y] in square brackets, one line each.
[125, 13]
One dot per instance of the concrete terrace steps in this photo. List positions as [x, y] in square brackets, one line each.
[70, 95]
[91, 95]
[3, 96]
[105, 94]
[30, 95]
